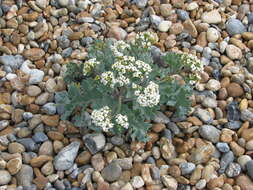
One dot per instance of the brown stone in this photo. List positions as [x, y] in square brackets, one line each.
[190, 28]
[174, 171]
[247, 134]
[158, 127]
[234, 90]
[52, 120]
[40, 160]
[76, 36]
[145, 173]
[40, 181]
[216, 182]
[237, 150]
[55, 135]
[244, 182]
[14, 165]
[16, 148]
[34, 54]
[83, 158]
[102, 185]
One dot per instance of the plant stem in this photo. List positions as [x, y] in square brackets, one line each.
[119, 104]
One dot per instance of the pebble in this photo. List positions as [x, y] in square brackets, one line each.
[49, 108]
[244, 182]
[212, 17]
[243, 160]
[137, 182]
[225, 160]
[36, 76]
[233, 52]
[222, 147]
[111, 172]
[210, 133]
[233, 170]
[249, 168]
[25, 176]
[235, 26]
[94, 142]
[203, 115]
[164, 26]
[187, 168]
[212, 35]
[169, 182]
[66, 157]
[14, 165]
[213, 85]
[5, 177]
[182, 14]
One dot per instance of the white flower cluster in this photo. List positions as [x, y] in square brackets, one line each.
[102, 118]
[195, 65]
[122, 120]
[89, 65]
[125, 67]
[150, 95]
[118, 47]
[145, 39]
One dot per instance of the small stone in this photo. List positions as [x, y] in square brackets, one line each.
[166, 10]
[213, 85]
[16, 148]
[33, 90]
[49, 108]
[233, 170]
[34, 54]
[249, 168]
[243, 160]
[5, 177]
[111, 172]
[190, 28]
[127, 186]
[98, 162]
[235, 26]
[65, 158]
[141, 3]
[215, 182]
[187, 168]
[63, 3]
[51, 120]
[210, 133]
[222, 147]
[137, 182]
[209, 102]
[182, 14]
[235, 90]
[203, 115]
[37, 162]
[212, 17]
[117, 32]
[117, 140]
[233, 52]
[36, 76]
[244, 182]
[247, 115]
[25, 176]
[169, 182]
[94, 142]
[164, 26]
[14, 165]
[40, 137]
[201, 184]
[225, 160]
[212, 35]
[202, 154]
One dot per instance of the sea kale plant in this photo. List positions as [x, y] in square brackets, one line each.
[120, 88]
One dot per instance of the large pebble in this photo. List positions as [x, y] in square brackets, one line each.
[233, 52]
[25, 176]
[65, 158]
[235, 26]
[210, 133]
[94, 142]
[5, 177]
[112, 172]
[212, 17]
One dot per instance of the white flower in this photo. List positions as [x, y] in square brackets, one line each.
[118, 47]
[150, 96]
[145, 39]
[122, 120]
[102, 118]
[89, 65]
[107, 78]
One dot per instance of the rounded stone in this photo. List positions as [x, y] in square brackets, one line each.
[112, 172]
[212, 35]
[5, 177]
